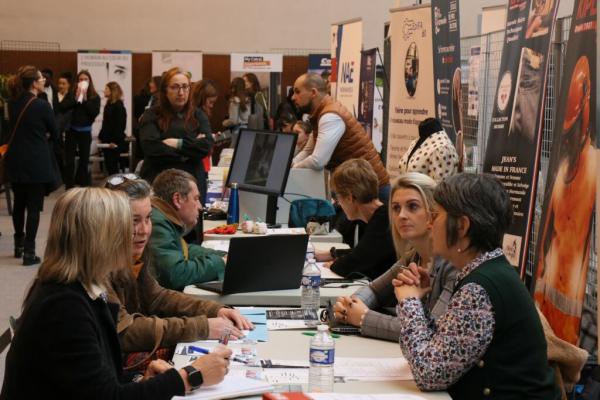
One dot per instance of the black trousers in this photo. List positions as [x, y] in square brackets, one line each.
[81, 142]
[111, 160]
[29, 198]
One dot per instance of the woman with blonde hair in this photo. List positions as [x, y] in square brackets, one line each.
[114, 122]
[68, 321]
[410, 211]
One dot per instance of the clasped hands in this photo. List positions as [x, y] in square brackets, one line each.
[412, 281]
[349, 310]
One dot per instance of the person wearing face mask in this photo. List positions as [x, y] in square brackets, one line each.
[337, 135]
[176, 207]
[143, 303]
[79, 136]
[371, 308]
[170, 132]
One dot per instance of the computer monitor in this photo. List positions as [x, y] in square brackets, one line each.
[261, 164]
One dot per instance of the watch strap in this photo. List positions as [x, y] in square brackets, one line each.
[195, 378]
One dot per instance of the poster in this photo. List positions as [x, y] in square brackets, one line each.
[368, 65]
[320, 64]
[106, 66]
[189, 61]
[377, 125]
[411, 80]
[334, 37]
[565, 230]
[348, 46]
[256, 62]
[446, 65]
[473, 81]
[513, 146]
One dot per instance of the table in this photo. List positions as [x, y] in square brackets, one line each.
[333, 237]
[292, 345]
[271, 298]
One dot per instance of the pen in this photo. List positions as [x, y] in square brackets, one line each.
[206, 351]
[333, 335]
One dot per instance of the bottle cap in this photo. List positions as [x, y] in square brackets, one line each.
[234, 185]
[322, 328]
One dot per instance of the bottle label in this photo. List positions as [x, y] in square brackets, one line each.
[322, 357]
[311, 281]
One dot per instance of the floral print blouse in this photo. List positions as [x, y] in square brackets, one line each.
[441, 352]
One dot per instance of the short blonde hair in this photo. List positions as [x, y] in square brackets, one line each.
[423, 184]
[89, 237]
[356, 178]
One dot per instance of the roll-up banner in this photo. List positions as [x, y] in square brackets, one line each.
[565, 231]
[368, 66]
[189, 61]
[446, 65]
[106, 66]
[412, 96]
[377, 126]
[474, 68]
[319, 64]
[346, 51]
[513, 146]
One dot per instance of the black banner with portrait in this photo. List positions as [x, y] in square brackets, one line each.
[565, 230]
[513, 146]
[446, 65]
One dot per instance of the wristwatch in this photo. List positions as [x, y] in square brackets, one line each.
[195, 378]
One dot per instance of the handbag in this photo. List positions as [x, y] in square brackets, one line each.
[4, 147]
[310, 210]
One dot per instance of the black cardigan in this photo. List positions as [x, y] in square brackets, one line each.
[114, 122]
[84, 114]
[373, 254]
[66, 347]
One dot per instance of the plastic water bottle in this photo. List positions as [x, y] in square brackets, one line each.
[311, 283]
[321, 358]
[233, 211]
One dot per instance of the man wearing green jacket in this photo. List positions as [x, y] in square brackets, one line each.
[175, 210]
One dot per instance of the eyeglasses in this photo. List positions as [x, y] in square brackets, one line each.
[118, 179]
[177, 88]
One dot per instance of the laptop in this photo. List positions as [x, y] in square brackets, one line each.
[260, 263]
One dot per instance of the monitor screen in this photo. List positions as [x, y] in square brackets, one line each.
[261, 161]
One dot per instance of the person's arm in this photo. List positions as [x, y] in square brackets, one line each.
[174, 270]
[234, 113]
[440, 353]
[50, 122]
[121, 123]
[67, 104]
[92, 108]
[373, 249]
[73, 349]
[151, 141]
[331, 129]
[305, 152]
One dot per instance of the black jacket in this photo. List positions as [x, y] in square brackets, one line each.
[66, 347]
[63, 111]
[158, 156]
[28, 159]
[114, 122]
[84, 114]
[374, 253]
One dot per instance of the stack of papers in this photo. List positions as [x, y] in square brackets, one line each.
[232, 386]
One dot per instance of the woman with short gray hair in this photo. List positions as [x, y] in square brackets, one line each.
[490, 340]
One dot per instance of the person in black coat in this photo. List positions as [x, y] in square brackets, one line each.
[114, 122]
[63, 110]
[29, 164]
[170, 132]
[79, 136]
[66, 344]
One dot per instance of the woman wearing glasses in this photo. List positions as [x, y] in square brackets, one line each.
[28, 163]
[170, 132]
[489, 342]
[372, 307]
[66, 344]
[144, 304]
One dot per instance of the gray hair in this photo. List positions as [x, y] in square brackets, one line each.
[172, 181]
[315, 81]
[136, 188]
[482, 199]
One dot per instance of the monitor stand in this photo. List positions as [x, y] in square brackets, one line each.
[271, 216]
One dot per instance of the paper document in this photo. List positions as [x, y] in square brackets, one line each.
[346, 396]
[222, 245]
[326, 273]
[232, 386]
[373, 369]
[283, 324]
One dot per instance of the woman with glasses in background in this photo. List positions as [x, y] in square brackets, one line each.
[372, 308]
[28, 160]
[170, 132]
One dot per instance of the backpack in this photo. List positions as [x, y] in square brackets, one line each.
[303, 211]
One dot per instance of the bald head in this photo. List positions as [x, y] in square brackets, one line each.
[310, 80]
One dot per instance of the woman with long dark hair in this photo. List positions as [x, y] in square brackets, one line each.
[29, 163]
[79, 135]
[170, 131]
[239, 107]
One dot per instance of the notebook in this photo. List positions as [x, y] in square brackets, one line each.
[232, 386]
[260, 263]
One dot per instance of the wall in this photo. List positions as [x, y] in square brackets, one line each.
[211, 26]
